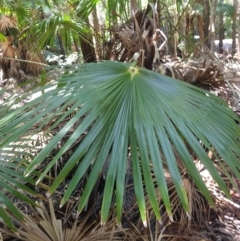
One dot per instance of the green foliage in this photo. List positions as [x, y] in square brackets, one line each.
[225, 8]
[2, 37]
[132, 114]
[12, 181]
[179, 5]
[228, 11]
[56, 24]
[85, 7]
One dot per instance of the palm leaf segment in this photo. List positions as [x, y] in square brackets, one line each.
[138, 115]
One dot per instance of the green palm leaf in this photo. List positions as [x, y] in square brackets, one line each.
[61, 24]
[131, 115]
[12, 182]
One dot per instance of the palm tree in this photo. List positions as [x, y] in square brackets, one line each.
[121, 122]
[141, 119]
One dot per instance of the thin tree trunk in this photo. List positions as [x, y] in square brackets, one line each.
[189, 33]
[206, 17]
[86, 42]
[213, 6]
[76, 48]
[239, 28]
[234, 27]
[200, 27]
[221, 31]
[61, 45]
[87, 49]
[96, 33]
[174, 39]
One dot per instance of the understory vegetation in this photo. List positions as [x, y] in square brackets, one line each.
[119, 120]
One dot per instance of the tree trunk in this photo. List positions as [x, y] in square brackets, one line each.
[239, 28]
[221, 30]
[62, 49]
[200, 27]
[86, 43]
[189, 33]
[213, 6]
[234, 27]
[206, 17]
[96, 34]
[87, 49]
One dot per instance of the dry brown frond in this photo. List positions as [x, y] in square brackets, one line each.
[34, 68]
[7, 49]
[7, 22]
[138, 39]
[44, 225]
[196, 225]
[11, 61]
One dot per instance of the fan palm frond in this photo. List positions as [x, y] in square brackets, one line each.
[13, 182]
[53, 25]
[133, 113]
[85, 7]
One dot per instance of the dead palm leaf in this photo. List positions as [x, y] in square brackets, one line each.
[43, 225]
[7, 22]
[31, 66]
